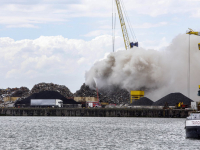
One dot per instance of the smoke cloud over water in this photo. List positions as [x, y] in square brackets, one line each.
[158, 73]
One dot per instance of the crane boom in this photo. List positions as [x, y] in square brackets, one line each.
[127, 43]
[193, 32]
[123, 25]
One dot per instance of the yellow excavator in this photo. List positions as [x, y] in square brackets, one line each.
[194, 33]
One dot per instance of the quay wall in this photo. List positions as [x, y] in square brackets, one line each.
[95, 112]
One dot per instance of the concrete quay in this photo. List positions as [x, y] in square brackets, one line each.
[95, 112]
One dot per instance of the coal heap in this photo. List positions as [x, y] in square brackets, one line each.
[172, 99]
[86, 91]
[45, 95]
[144, 101]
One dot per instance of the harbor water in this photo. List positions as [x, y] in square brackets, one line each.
[103, 133]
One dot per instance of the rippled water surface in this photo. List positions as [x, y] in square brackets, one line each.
[93, 133]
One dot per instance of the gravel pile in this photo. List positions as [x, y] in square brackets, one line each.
[144, 101]
[45, 95]
[86, 91]
[63, 90]
[172, 99]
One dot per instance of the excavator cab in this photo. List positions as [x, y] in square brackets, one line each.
[135, 44]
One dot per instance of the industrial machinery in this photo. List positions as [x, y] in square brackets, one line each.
[128, 44]
[195, 33]
[180, 105]
[135, 95]
[104, 104]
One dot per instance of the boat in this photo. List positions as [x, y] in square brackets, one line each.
[192, 125]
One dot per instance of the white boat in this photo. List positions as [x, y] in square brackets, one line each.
[192, 125]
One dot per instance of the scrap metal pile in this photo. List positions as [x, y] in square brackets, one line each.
[111, 95]
[13, 92]
[86, 91]
[117, 95]
[62, 89]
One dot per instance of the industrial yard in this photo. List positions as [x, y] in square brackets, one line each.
[79, 103]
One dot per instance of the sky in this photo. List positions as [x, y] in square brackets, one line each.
[57, 41]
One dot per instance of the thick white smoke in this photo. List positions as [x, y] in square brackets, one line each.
[158, 73]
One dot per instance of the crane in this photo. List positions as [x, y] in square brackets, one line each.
[128, 44]
[194, 33]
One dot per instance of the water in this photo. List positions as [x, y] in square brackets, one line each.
[49, 133]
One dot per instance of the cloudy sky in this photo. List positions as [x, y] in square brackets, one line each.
[58, 40]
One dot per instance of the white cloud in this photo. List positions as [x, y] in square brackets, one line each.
[95, 33]
[150, 25]
[50, 57]
[30, 14]
[22, 26]
[155, 44]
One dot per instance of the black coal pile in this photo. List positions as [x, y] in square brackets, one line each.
[62, 89]
[117, 95]
[86, 91]
[45, 95]
[172, 99]
[144, 101]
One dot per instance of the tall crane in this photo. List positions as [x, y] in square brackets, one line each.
[195, 33]
[128, 44]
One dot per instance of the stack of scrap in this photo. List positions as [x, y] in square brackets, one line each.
[172, 99]
[86, 91]
[13, 92]
[117, 95]
[144, 101]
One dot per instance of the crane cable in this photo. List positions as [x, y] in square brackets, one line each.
[113, 26]
[128, 21]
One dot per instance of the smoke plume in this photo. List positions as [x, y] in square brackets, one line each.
[158, 73]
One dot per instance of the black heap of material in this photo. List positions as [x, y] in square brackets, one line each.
[172, 99]
[144, 101]
[45, 95]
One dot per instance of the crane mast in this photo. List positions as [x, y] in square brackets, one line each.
[127, 43]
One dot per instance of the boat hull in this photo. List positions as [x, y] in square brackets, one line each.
[192, 129]
[192, 132]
